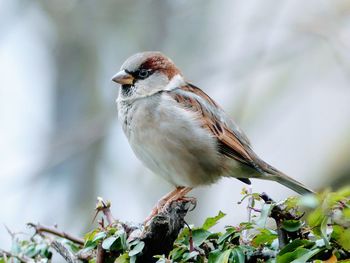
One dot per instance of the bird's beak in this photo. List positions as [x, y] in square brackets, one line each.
[123, 78]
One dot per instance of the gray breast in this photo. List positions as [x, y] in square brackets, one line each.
[171, 142]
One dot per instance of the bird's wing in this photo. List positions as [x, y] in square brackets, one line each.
[231, 140]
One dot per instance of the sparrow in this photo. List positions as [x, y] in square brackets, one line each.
[182, 134]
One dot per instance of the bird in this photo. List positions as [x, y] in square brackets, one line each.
[180, 133]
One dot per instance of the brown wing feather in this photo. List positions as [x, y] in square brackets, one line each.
[229, 143]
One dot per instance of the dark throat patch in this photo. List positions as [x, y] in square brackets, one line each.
[127, 90]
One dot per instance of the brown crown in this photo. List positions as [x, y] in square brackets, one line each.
[161, 64]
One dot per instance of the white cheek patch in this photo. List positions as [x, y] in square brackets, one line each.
[152, 85]
[176, 82]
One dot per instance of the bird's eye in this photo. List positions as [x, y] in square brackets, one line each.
[143, 73]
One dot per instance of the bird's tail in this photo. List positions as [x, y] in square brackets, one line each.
[287, 181]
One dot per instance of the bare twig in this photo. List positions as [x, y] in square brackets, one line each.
[10, 232]
[190, 241]
[45, 229]
[64, 252]
[158, 236]
[245, 233]
[86, 255]
[100, 257]
[280, 214]
[104, 207]
[250, 203]
[23, 258]
[255, 209]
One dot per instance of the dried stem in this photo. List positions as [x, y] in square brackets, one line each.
[100, 257]
[279, 214]
[104, 207]
[23, 258]
[54, 231]
[64, 252]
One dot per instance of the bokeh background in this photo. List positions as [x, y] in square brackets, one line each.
[280, 68]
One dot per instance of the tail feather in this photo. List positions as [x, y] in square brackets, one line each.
[289, 182]
[292, 184]
[278, 176]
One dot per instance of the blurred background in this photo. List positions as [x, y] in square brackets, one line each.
[281, 69]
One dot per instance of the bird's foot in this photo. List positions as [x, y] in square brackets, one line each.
[165, 201]
[153, 213]
[191, 200]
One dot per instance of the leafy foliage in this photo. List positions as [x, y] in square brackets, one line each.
[311, 228]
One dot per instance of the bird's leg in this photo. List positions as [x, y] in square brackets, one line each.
[179, 195]
[162, 202]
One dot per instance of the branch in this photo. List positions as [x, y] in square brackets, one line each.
[104, 207]
[46, 229]
[164, 228]
[279, 214]
[64, 252]
[23, 258]
[158, 236]
[100, 257]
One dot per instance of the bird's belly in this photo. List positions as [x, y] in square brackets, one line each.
[175, 146]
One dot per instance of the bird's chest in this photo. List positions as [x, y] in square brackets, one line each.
[171, 142]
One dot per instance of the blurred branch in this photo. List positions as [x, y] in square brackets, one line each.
[329, 32]
[64, 252]
[74, 141]
[100, 256]
[45, 229]
[104, 207]
[158, 237]
[279, 213]
[23, 258]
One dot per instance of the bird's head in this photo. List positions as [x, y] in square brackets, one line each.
[145, 74]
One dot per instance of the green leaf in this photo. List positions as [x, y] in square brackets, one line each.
[188, 256]
[137, 249]
[345, 191]
[293, 255]
[291, 225]
[291, 202]
[265, 212]
[218, 256]
[265, 237]
[99, 236]
[346, 213]
[183, 235]
[177, 253]
[86, 249]
[305, 257]
[74, 247]
[294, 245]
[124, 258]
[199, 236]
[214, 255]
[237, 255]
[90, 235]
[324, 232]
[212, 221]
[31, 251]
[316, 217]
[229, 232]
[108, 242]
[344, 239]
[133, 259]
